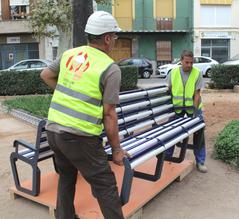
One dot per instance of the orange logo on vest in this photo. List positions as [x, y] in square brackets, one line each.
[77, 65]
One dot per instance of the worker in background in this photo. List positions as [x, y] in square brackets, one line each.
[86, 83]
[185, 83]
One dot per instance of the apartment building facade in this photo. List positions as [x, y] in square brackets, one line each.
[17, 40]
[156, 29]
[216, 28]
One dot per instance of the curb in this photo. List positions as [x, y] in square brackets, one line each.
[21, 114]
[206, 90]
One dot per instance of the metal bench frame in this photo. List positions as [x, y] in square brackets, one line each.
[146, 109]
[32, 154]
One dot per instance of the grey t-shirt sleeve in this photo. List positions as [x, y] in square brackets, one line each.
[110, 84]
[168, 80]
[55, 65]
[199, 83]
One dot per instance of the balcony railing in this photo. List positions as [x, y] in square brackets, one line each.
[149, 23]
[164, 23]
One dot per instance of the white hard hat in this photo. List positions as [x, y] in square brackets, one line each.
[101, 22]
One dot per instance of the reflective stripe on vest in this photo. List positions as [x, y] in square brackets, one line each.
[75, 114]
[77, 99]
[183, 95]
[78, 95]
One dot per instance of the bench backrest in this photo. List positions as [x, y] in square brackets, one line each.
[142, 108]
[144, 127]
[41, 138]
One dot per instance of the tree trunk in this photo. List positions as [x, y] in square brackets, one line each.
[65, 42]
[82, 9]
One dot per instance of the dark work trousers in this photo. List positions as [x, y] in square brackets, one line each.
[198, 141]
[85, 154]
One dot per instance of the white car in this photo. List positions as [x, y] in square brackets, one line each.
[29, 64]
[233, 61]
[203, 63]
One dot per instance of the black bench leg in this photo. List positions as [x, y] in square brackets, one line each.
[183, 148]
[35, 176]
[158, 170]
[13, 160]
[127, 182]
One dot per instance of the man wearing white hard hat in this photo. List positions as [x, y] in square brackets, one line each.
[86, 82]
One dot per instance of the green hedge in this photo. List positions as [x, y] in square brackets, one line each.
[37, 105]
[22, 83]
[227, 144]
[129, 78]
[29, 82]
[225, 76]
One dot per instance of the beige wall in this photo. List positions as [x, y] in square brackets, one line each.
[232, 31]
[14, 26]
[165, 9]
[123, 12]
[21, 28]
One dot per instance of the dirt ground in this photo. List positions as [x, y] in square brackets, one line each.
[214, 195]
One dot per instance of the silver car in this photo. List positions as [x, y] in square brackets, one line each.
[29, 64]
[202, 62]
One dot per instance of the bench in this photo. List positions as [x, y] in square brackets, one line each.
[147, 128]
[31, 154]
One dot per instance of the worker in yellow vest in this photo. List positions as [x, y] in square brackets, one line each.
[86, 82]
[185, 83]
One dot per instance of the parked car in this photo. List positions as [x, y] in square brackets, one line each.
[29, 64]
[203, 63]
[233, 61]
[144, 66]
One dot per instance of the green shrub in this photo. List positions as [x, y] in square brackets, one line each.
[22, 83]
[129, 78]
[35, 105]
[225, 76]
[29, 82]
[227, 144]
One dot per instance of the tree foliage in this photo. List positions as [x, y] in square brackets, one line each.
[68, 17]
[49, 15]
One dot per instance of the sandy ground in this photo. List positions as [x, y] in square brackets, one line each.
[214, 195]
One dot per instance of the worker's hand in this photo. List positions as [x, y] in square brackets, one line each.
[118, 155]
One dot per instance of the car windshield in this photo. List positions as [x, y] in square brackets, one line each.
[37, 64]
[21, 65]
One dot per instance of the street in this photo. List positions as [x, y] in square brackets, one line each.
[155, 81]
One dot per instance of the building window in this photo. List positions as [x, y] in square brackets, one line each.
[19, 9]
[164, 52]
[13, 53]
[33, 50]
[218, 49]
[216, 15]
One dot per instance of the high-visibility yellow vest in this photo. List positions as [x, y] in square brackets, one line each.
[77, 99]
[183, 95]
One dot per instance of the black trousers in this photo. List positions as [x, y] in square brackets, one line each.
[85, 154]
